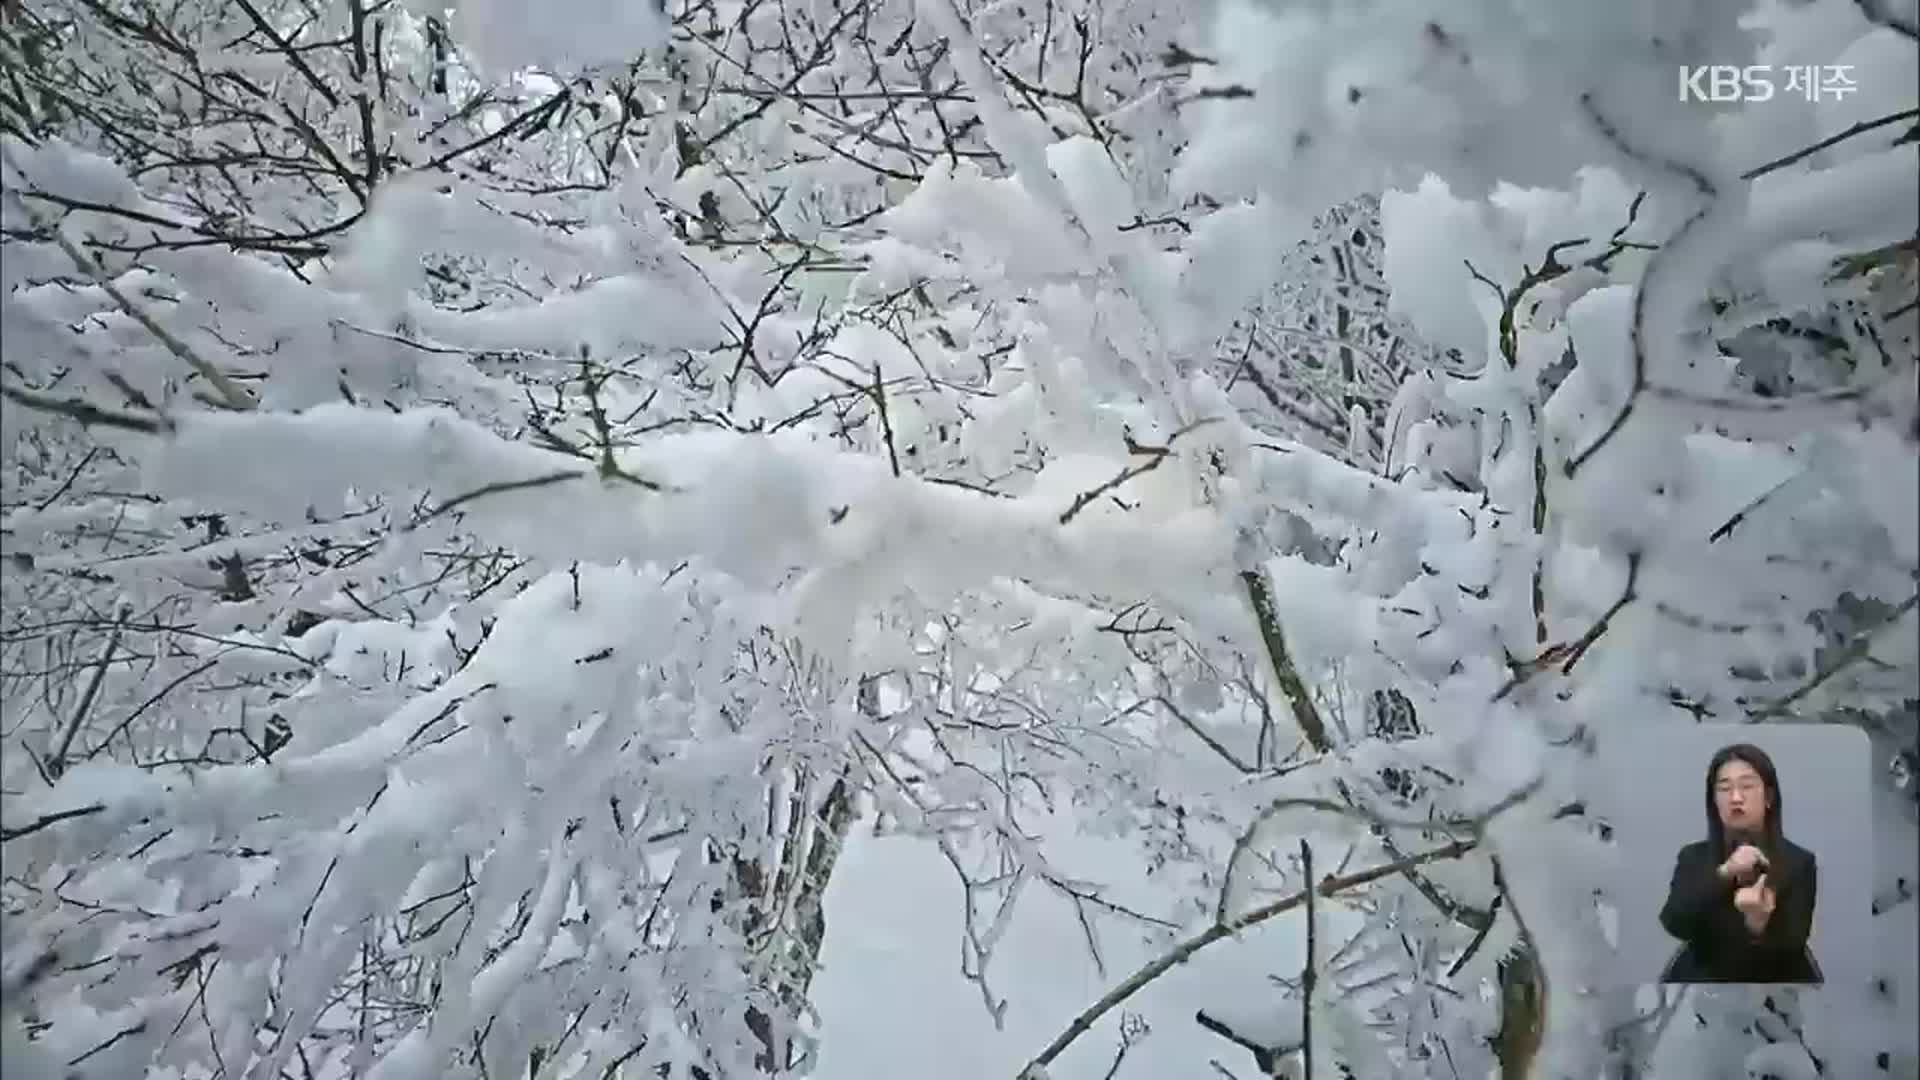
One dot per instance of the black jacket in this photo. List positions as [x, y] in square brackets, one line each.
[1716, 945]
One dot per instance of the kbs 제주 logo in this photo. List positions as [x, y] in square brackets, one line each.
[1762, 82]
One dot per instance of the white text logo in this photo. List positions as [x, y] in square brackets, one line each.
[1760, 82]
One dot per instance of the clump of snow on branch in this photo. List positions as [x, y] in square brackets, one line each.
[1215, 471]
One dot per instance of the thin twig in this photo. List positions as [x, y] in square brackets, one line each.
[1565, 654]
[51, 819]
[1644, 289]
[84, 412]
[57, 764]
[497, 488]
[1860, 128]
[1156, 456]
[1307, 974]
[1185, 951]
[1479, 937]
[1204, 736]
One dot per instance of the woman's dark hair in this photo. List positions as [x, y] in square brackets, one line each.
[1759, 761]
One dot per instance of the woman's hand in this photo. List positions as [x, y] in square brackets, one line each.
[1745, 860]
[1755, 903]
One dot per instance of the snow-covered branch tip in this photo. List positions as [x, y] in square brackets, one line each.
[229, 394]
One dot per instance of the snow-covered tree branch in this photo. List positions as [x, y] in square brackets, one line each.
[500, 500]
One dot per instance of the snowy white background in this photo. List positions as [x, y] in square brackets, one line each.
[488, 558]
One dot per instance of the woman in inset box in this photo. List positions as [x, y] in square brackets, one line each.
[1741, 901]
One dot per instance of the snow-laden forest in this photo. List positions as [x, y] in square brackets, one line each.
[933, 539]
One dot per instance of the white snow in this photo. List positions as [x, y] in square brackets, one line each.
[1104, 448]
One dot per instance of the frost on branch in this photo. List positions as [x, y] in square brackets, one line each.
[495, 502]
